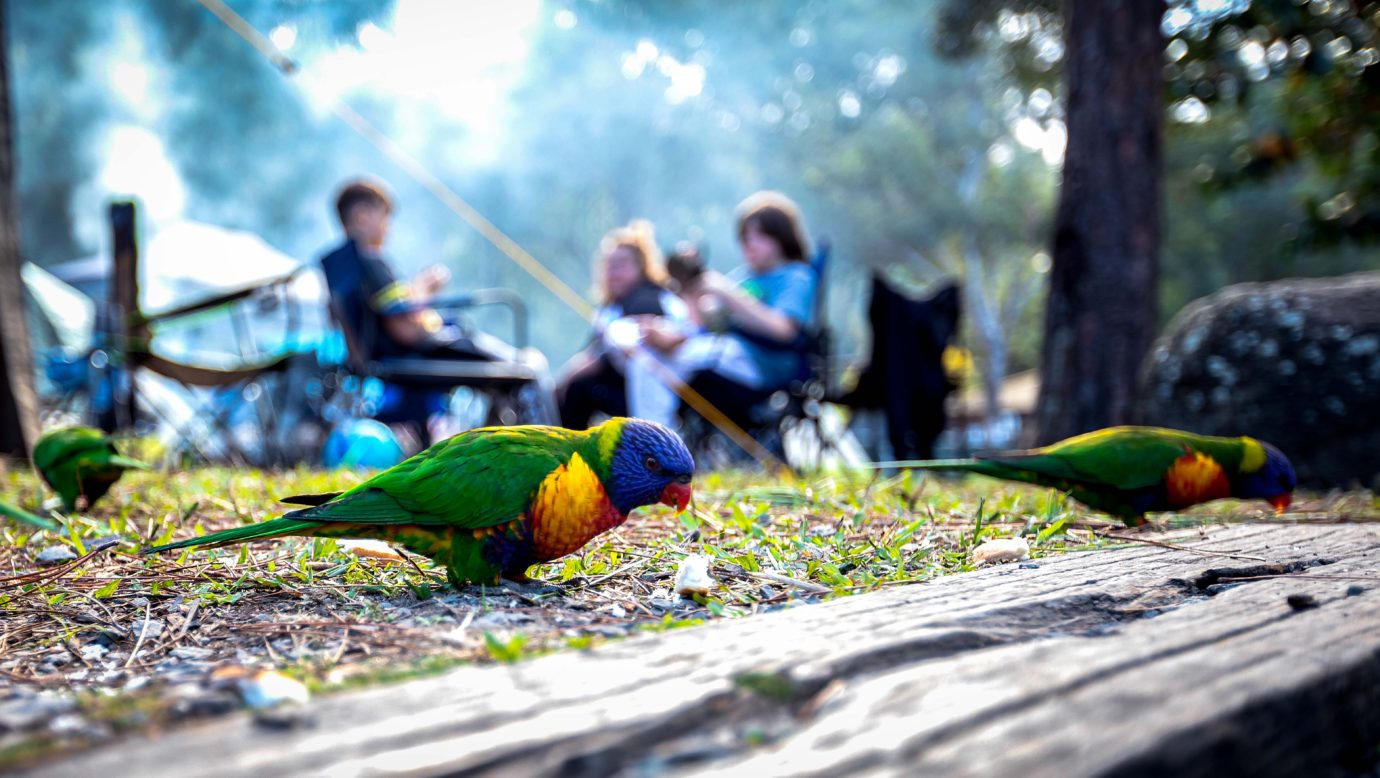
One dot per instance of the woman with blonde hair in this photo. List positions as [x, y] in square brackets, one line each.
[637, 319]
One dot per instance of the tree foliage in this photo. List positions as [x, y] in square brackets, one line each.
[1270, 165]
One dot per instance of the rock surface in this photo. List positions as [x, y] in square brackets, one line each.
[1293, 362]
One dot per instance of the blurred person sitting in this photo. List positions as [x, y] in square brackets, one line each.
[684, 267]
[756, 317]
[638, 321]
[369, 297]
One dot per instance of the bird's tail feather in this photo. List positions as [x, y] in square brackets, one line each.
[19, 514]
[310, 499]
[932, 464]
[997, 469]
[265, 529]
[128, 463]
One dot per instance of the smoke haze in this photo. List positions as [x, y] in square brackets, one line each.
[557, 121]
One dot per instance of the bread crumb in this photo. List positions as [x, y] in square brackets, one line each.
[1001, 550]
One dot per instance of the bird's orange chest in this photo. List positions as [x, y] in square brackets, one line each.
[1193, 478]
[569, 510]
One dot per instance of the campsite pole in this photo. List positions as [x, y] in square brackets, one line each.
[130, 332]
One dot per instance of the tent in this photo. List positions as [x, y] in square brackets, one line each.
[186, 261]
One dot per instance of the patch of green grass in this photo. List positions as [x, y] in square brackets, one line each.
[771, 541]
[423, 667]
[777, 687]
[508, 651]
[846, 534]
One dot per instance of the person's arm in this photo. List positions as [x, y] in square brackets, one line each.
[428, 282]
[665, 333]
[392, 300]
[412, 327]
[751, 314]
[661, 334]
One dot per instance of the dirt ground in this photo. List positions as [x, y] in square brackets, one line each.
[97, 640]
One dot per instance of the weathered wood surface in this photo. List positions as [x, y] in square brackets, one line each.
[1117, 662]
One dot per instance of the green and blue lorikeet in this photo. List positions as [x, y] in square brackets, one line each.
[80, 462]
[494, 501]
[19, 514]
[1129, 471]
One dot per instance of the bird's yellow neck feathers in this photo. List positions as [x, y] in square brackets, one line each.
[1252, 455]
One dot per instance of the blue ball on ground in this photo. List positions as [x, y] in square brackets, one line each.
[362, 443]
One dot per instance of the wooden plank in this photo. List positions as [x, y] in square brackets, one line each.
[1058, 670]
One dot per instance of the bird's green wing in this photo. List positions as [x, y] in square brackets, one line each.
[476, 479]
[1119, 457]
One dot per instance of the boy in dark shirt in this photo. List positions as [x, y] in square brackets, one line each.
[396, 314]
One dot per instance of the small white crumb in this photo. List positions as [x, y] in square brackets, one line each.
[371, 549]
[692, 577]
[1001, 550]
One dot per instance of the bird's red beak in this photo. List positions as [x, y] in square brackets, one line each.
[1281, 501]
[677, 495]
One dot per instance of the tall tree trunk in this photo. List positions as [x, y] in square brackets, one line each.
[18, 403]
[1103, 304]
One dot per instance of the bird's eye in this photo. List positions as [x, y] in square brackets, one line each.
[652, 464]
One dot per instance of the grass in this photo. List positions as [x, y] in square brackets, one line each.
[319, 612]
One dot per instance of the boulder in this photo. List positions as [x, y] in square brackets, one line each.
[1294, 362]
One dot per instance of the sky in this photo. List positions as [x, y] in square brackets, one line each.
[483, 43]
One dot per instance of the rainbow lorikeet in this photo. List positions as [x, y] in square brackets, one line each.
[494, 501]
[19, 514]
[80, 462]
[1128, 471]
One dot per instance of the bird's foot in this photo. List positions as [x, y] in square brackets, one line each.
[456, 582]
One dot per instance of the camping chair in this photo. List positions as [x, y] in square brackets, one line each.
[905, 376]
[127, 348]
[416, 380]
[796, 414]
[790, 422]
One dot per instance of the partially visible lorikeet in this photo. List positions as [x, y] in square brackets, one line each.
[1129, 471]
[494, 501]
[80, 462]
[19, 514]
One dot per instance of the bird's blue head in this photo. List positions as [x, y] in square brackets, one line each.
[1273, 480]
[650, 464]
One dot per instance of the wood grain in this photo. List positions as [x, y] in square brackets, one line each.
[1115, 662]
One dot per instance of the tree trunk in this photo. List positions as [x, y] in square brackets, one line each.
[18, 403]
[1103, 303]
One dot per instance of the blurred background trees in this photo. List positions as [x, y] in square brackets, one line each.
[1271, 168]
[1271, 134]
[924, 140]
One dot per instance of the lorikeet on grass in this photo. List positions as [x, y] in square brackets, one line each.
[19, 514]
[80, 462]
[494, 501]
[1128, 471]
